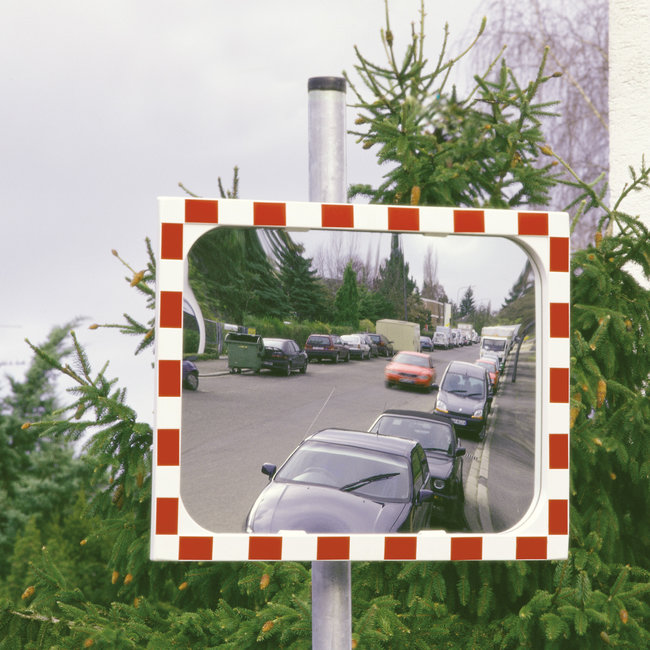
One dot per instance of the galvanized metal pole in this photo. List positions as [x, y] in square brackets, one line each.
[331, 593]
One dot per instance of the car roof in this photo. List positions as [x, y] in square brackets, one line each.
[423, 415]
[386, 444]
[426, 355]
[463, 367]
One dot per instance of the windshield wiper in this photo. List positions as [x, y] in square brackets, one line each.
[364, 481]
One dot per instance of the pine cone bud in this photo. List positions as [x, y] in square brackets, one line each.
[623, 615]
[415, 195]
[28, 593]
[267, 626]
[114, 577]
[137, 278]
[264, 582]
[26, 425]
[601, 393]
[94, 326]
[546, 150]
[183, 586]
[128, 578]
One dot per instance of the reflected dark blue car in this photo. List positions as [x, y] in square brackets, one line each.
[190, 375]
[444, 455]
[341, 481]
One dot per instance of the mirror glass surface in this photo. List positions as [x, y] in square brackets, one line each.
[237, 421]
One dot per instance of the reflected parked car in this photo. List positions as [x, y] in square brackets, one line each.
[492, 365]
[426, 344]
[444, 456]
[341, 481]
[190, 375]
[411, 369]
[384, 346]
[465, 397]
[284, 356]
[326, 346]
[374, 350]
[357, 345]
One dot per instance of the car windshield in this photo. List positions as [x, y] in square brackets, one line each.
[433, 436]
[491, 344]
[364, 472]
[461, 384]
[411, 359]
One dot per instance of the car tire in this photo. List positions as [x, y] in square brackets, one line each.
[191, 381]
[303, 370]
[388, 384]
[480, 436]
[287, 371]
[336, 358]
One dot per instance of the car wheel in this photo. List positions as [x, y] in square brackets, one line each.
[388, 384]
[303, 370]
[192, 381]
[287, 371]
[347, 358]
[480, 436]
[336, 358]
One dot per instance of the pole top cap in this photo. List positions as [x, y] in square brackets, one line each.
[326, 83]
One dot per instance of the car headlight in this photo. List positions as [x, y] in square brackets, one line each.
[441, 406]
[478, 414]
[439, 484]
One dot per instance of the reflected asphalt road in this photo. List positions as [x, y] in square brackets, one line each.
[235, 423]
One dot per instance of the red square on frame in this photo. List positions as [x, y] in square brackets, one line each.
[531, 548]
[400, 548]
[558, 450]
[166, 516]
[403, 218]
[201, 211]
[169, 378]
[195, 548]
[558, 517]
[559, 314]
[171, 309]
[333, 548]
[171, 241]
[168, 447]
[466, 548]
[265, 548]
[337, 215]
[559, 253]
[559, 379]
[468, 221]
[533, 223]
[269, 214]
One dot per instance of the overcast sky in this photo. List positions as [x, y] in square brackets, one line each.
[107, 105]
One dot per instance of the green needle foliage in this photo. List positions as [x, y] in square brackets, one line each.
[102, 591]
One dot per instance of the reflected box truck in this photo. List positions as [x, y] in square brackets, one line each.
[404, 335]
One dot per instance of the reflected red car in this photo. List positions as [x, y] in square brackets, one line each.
[492, 366]
[411, 369]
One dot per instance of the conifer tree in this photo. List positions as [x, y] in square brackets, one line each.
[347, 299]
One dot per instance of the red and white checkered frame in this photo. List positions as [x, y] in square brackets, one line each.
[543, 532]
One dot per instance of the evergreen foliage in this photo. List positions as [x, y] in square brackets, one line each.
[104, 592]
[347, 299]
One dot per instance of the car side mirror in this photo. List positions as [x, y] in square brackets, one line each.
[425, 495]
[269, 469]
[460, 451]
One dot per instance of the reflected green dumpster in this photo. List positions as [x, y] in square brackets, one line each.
[245, 352]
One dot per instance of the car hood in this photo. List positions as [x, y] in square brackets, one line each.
[461, 403]
[440, 465]
[320, 509]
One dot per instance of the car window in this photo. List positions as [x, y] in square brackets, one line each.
[318, 340]
[432, 435]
